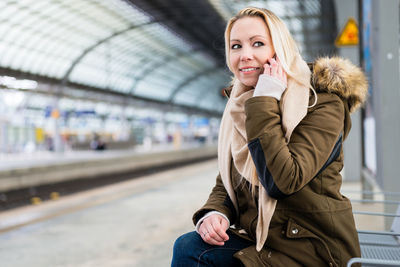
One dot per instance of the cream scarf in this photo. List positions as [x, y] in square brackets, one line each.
[232, 144]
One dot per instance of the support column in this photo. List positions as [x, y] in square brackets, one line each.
[55, 117]
[386, 93]
[352, 146]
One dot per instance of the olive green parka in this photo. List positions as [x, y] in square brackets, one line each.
[313, 223]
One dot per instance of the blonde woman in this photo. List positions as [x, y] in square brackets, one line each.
[277, 198]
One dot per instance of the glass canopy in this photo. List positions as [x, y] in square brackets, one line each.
[110, 46]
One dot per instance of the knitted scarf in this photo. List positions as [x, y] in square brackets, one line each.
[232, 144]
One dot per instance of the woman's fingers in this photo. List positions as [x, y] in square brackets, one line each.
[225, 226]
[276, 70]
[267, 69]
[220, 231]
[212, 232]
[210, 237]
[274, 67]
[206, 235]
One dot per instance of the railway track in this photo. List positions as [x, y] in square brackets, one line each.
[36, 194]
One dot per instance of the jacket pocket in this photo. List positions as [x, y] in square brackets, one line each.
[296, 231]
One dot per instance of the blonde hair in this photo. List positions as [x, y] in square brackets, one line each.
[285, 46]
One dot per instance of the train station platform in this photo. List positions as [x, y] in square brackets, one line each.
[42, 173]
[15, 161]
[132, 223]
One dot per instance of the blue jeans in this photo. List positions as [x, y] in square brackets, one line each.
[190, 250]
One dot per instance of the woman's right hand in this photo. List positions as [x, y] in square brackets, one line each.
[213, 230]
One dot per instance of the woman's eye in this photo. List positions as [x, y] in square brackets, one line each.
[258, 44]
[236, 46]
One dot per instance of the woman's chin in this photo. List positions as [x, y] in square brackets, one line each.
[248, 82]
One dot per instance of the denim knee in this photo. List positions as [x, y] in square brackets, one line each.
[184, 242]
[186, 249]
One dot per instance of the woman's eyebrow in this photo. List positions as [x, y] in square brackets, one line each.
[251, 38]
[257, 36]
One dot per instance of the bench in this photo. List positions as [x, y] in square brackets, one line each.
[379, 248]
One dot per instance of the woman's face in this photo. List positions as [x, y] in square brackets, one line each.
[250, 48]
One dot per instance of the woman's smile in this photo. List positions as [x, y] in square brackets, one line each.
[249, 70]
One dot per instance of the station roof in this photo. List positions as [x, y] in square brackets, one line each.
[163, 52]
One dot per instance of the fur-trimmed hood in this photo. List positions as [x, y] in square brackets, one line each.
[340, 76]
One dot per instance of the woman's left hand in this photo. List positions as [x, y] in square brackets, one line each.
[273, 81]
[213, 230]
[274, 68]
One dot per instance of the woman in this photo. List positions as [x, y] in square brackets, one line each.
[279, 156]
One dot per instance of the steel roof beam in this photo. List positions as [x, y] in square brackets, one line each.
[195, 21]
[89, 49]
[190, 79]
[158, 64]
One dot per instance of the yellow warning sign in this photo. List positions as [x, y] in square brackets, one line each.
[39, 135]
[349, 34]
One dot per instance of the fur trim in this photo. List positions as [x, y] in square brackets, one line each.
[340, 76]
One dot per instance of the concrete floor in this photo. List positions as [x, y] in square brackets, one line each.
[133, 223]
[129, 224]
[365, 222]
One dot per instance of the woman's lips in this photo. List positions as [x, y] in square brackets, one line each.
[248, 70]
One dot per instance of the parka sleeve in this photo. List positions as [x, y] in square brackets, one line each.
[218, 200]
[285, 168]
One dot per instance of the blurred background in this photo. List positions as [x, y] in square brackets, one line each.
[94, 92]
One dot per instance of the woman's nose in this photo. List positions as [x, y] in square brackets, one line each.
[246, 54]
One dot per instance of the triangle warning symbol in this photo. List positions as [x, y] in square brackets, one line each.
[349, 34]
